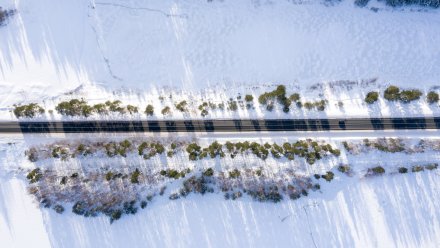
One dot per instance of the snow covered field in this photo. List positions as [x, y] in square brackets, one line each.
[138, 50]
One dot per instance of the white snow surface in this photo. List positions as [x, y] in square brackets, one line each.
[50, 46]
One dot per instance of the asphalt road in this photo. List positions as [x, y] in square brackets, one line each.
[222, 125]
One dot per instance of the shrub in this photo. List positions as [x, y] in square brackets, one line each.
[135, 176]
[432, 97]
[249, 98]
[372, 97]
[115, 215]
[181, 106]
[328, 176]
[403, 170]
[417, 168]
[295, 97]
[35, 175]
[79, 208]
[234, 174]
[344, 168]
[407, 96]
[59, 209]
[208, 172]
[149, 110]
[431, 166]
[361, 3]
[392, 93]
[378, 170]
[30, 110]
[132, 109]
[166, 111]
[4, 14]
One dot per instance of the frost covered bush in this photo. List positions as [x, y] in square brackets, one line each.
[29, 111]
[372, 97]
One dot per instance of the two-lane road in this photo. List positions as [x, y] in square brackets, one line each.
[222, 125]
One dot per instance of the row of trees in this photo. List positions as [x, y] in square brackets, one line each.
[393, 93]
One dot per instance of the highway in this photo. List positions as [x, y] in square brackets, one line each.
[222, 125]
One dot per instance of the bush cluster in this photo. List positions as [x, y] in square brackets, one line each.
[170, 173]
[29, 111]
[318, 105]
[196, 185]
[79, 107]
[278, 94]
[266, 194]
[393, 93]
[149, 150]
[113, 148]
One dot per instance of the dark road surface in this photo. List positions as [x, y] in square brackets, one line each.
[226, 125]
